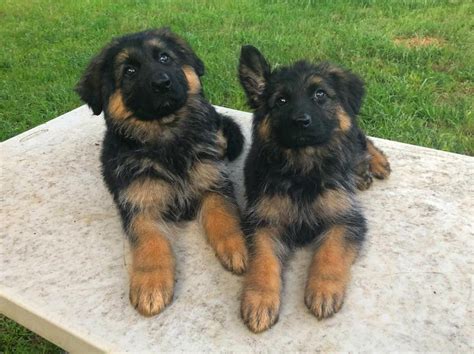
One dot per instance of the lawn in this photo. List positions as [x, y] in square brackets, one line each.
[415, 56]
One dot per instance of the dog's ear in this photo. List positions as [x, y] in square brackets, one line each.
[253, 74]
[350, 89]
[184, 48]
[198, 65]
[89, 87]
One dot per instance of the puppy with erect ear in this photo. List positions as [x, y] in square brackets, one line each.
[163, 156]
[308, 156]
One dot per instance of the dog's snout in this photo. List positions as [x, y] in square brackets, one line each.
[303, 120]
[161, 83]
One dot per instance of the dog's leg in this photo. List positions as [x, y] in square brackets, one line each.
[153, 265]
[260, 302]
[363, 176]
[329, 273]
[379, 166]
[221, 221]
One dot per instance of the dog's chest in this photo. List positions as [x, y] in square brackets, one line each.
[176, 182]
[301, 189]
[285, 210]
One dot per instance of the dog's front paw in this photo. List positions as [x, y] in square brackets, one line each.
[380, 167]
[232, 253]
[259, 309]
[151, 292]
[324, 297]
[364, 181]
[381, 170]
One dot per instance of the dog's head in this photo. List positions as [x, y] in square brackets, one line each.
[300, 105]
[146, 75]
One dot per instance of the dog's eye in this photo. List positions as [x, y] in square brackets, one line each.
[164, 58]
[319, 95]
[281, 101]
[130, 70]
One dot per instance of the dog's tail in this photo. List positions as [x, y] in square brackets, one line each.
[233, 135]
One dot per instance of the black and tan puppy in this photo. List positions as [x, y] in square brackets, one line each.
[306, 160]
[162, 156]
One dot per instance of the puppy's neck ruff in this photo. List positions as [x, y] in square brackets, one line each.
[124, 123]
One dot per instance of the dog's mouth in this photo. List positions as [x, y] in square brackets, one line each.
[302, 141]
[313, 140]
[160, 109]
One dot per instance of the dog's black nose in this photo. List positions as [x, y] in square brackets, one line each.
[161, 83]
[303, 120]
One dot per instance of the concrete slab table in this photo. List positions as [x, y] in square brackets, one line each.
[63, 270]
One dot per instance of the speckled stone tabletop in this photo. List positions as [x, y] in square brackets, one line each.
[63, 259]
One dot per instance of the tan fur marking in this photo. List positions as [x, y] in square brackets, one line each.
[378, 165]
[117, 108]
[169, 119]
[139, 129]
[334, 70]
[148, 194]
[194, 84]
[302, 159]
[221, 222]
[344, 119]
[152, 275]
[332, 202]
[278, 209]
[264, 129]
[122, 57]
[221, 143]
[329, 274]
[204, 175]
[318, 80]
[260, 302]
[144, 131]
[155, 42]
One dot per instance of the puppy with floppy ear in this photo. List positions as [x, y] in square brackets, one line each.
[306, 160]
[163, 156]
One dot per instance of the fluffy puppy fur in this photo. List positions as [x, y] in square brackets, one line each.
[307, 158]
[162, 156]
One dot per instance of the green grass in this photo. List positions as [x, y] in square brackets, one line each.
[420, 95]
[416, 94]
[17, 339]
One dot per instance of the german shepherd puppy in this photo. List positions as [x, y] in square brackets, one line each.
[306, 160]
[162, 156]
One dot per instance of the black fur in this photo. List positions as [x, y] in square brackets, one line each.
[235, 138]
